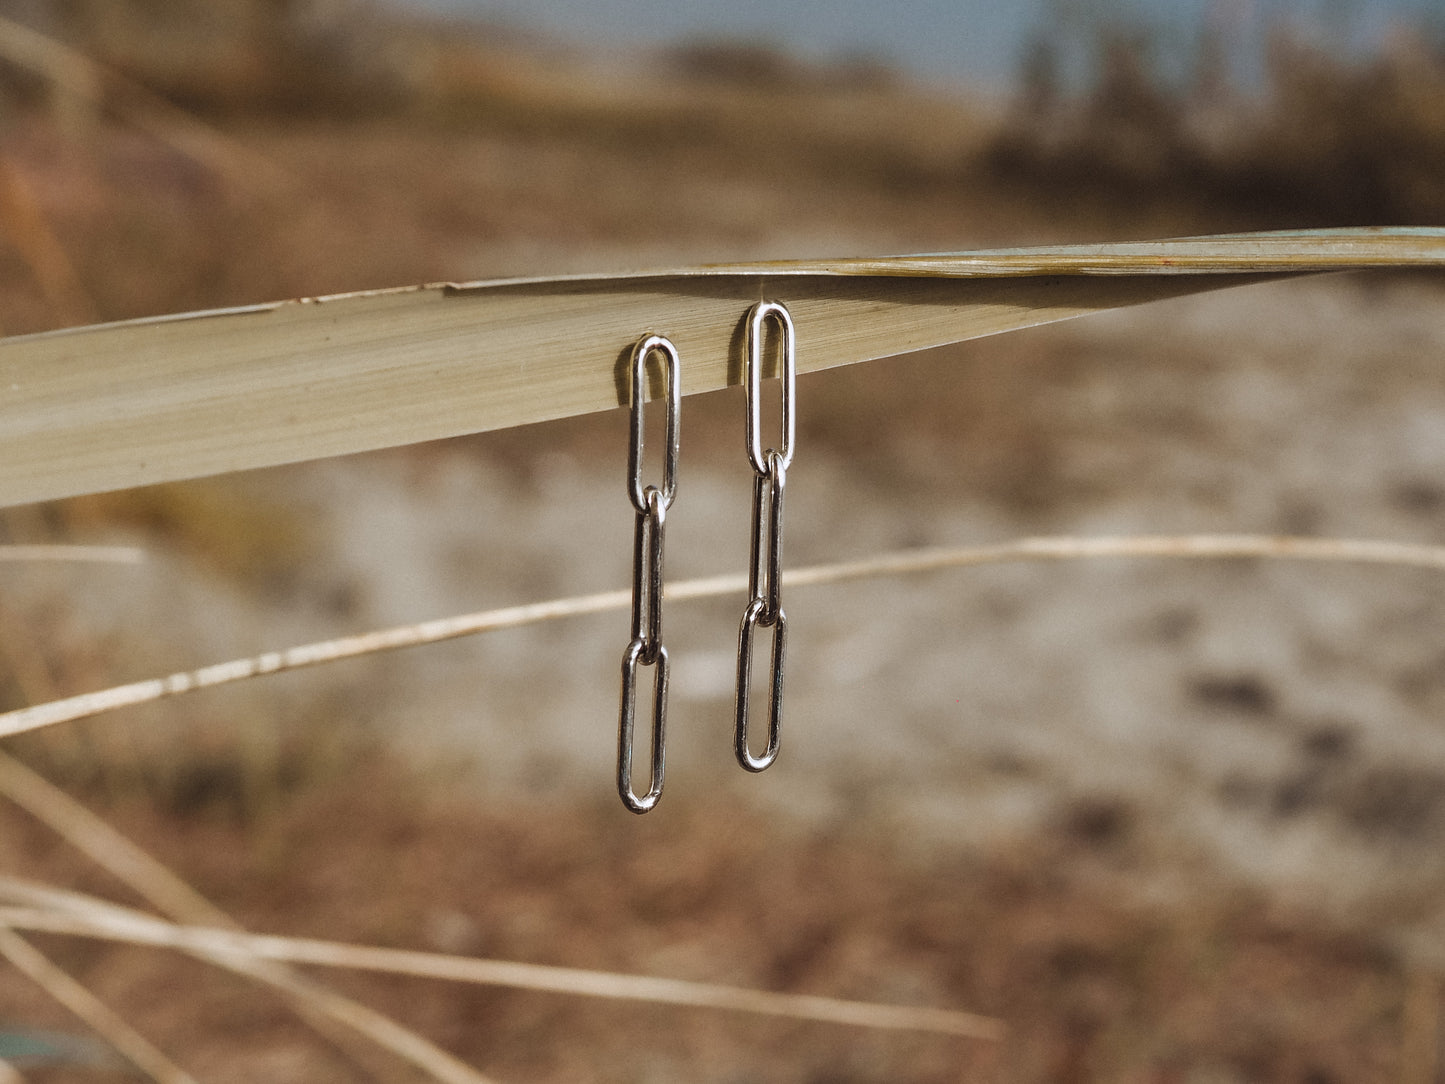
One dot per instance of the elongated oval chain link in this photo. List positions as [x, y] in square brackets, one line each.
[765, 571]
[758, 316]
[646, 647]
[765, 579]
[647, 537]
[752, 618]
[646, 348]
[630, 660]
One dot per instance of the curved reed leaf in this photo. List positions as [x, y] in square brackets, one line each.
[119, 405]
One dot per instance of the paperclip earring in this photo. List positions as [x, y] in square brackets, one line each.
[651, 505]
[765, 586]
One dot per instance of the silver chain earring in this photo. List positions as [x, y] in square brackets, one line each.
[651, 504]
[765, 606]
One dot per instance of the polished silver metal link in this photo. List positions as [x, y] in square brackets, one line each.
[651, 503]
[630, 660]
[646, 348]
[787, 367]
[765, 573]
[647, 538]
[752, 619]
[765, 576]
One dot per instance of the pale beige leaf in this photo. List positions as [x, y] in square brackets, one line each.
[154, 400]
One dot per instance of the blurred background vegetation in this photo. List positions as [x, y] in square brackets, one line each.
[1318, 137]
[168, 155]
[153, 135]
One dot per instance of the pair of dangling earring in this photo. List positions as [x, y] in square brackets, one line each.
[651, 503]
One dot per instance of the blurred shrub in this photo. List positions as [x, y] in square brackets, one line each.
[241, 56]
[229, 524]
[747, 63]
[1324, 141]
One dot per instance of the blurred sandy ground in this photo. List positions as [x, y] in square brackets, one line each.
[1268, 726]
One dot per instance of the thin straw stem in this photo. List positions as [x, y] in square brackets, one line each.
[85, 705]
[351, 1026]
[99, 1017]
[116, 555]
[87, 917]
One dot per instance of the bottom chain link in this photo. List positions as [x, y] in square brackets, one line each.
[630, 660]
[753, 617]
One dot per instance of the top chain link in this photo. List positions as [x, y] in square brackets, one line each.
[640, 355]
[787, 372]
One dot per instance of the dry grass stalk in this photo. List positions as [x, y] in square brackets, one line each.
[353, 1027]
[54, 911]
[343, 1021]
[90, 87]
[27, 228]
[80, 1001]
[400, 366]
[109, 555]
[109, 849]
[85, 705]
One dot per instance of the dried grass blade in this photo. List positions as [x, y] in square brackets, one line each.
[108, 555]
[1215, 547]
[70, 913]
[319, 1002]
[28, 228]
[109, 849]
[89, 83]
[353, 1027]
[99, 1017]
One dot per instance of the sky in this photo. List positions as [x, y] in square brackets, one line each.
[977, 42]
